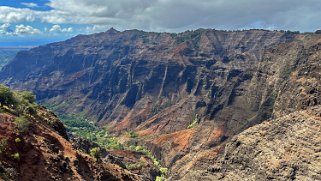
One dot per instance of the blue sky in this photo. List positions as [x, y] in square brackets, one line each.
[36, 22]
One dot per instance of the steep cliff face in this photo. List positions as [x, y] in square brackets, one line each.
[184, 94]
[8, 53]
[119, 76]
[287, 148]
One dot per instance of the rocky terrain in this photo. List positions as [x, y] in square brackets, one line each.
[35, 146]
[286, 148]
[185, 95]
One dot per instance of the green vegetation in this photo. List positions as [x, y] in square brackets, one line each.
[6, 97]
[25, 97]
[156, 162]
[19, 103]
[95, 152]
[22, 123]
[163, 173]
[76, 122]
[17, 140]
[160, 178]
[3, 145]
[25, 103]
[132, 166]
[22, 104]
[132, 134]
[16, 156]
[83, 128]
[194, 122]
[163, 170]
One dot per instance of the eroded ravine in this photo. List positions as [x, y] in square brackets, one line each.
[157, 84]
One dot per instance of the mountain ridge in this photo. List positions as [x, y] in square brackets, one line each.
[184, 94]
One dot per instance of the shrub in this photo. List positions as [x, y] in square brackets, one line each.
[132, 134]
[132, 166]
[3, 145]
[17, 140]
[113, 143]
[16, 156]
[194, 122]
[163, 170]
[25, 102]
[31, 110]
[95, 152]
[28, 96]
[160, 178]
[140, 149]
[22, 123]
[6, 96]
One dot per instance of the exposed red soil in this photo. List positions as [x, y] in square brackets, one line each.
[180, 139]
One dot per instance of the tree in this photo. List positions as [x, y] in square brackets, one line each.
[6, 96]
[26, 95]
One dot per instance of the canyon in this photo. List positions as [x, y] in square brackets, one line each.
[190, 97]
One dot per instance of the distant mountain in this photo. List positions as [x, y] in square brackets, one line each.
[185, 95]
[8, 53]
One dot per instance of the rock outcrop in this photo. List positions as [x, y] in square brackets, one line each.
[286, 148]
[184, 94]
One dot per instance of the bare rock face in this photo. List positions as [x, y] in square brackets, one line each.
[185, 94]
[286, 148]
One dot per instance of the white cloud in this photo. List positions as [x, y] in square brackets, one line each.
[4, 28]
[58, 29]
[174, 15]
[19, 30]
[177, 15]
[23, 30]
[30, 5]
[97, 28]
[12, 15]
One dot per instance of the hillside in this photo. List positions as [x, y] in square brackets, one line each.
[34, 146]
[286, 148]
[183, 96]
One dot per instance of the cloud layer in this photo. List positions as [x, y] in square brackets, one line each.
[173, 15]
